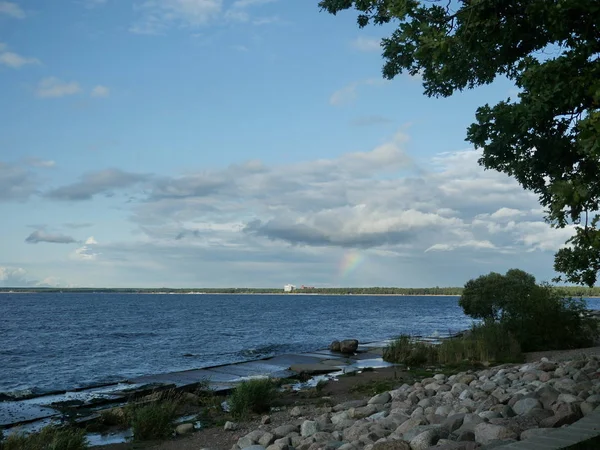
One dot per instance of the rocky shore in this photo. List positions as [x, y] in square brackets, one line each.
[469, 410]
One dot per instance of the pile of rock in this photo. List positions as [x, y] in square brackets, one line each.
[347, 346]
[464, 411]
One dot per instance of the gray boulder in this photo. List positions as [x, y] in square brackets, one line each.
[525, 405]
[348, 346]
[425, 440]
[284, 430]
[382, 398]
[335, 346]
[308, 428]
[487, 432]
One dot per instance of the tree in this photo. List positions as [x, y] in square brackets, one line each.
[537, 315]
[549, 138]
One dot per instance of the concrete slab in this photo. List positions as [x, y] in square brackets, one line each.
[187, 377]
[294, 358]
[19, 412]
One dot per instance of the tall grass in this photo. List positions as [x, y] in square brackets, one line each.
[49, 438]
[254, 396]
[487, 342]
[153, 421]
[405, 350]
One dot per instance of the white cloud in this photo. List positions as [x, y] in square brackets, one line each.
[367, 44]
[100, 91]
[15, 60]
[91, 241]
[504, 213]
[349, 93]
[54, 88]
[43, 163]
[247, 3]
[12, 10]
[156, 16]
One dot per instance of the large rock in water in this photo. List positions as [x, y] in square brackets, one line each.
[335, 346]
[348, 346]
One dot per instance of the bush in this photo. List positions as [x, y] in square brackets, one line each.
[405, 350]
[488, 342]
[153, 421]
[537, 315]
[254, 396]
[49, 438]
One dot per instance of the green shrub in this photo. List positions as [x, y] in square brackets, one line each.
[254, 396]
[49, 438]
[539, 316]
[153, 421]
[487, 342]
[405, 350]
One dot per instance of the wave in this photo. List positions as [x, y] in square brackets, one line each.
[132, 334]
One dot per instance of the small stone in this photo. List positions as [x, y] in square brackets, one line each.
[230, 426]
[184, 428]
[265, 420]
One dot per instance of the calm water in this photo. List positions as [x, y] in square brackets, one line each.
[62, 341]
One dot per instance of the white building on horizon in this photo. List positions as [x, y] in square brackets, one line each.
[289, 288]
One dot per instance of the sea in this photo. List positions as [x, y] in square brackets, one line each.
[62, 341]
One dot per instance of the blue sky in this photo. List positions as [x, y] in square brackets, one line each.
[188, 143]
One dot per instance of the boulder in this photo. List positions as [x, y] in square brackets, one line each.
[453, 422]
[253, 447]
[409, 425]
[485, 433]
[348, 346]
[250, 439]
[382, 398]
[350, 404]
[425, 440]
[278, 446]
[266, 439]
[265, 420]
[533, 432]
[525, 405]
[335, 346]
[391, 445]
[308, 428]
[564, 414]
[547, 395]
[284, 430]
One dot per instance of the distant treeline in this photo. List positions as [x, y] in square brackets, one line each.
[574, 291]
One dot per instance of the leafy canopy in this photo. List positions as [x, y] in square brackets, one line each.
[549, 138]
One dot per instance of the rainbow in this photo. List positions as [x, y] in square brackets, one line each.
[350, 261]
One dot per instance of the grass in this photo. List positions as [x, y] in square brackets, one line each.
[485, 343]
[116, 417]
[49, 438]
[153, 421]
[374, 387]
[254, 396]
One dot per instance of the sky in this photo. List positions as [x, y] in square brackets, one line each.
[240, 143]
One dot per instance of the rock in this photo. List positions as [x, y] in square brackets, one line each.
[390, 445]
[278, 447]
[525, 405]
[298, 411]
[184, 428]
[453, 422]
[348, 346]
[250, 439]
[265, 420]
[487, 432]
[539, 414]
[567, 398]
[586, 408]
[466, 435]
[335, 346]
[380, 399]
[378, 416]
[487, 415]
[337, 418]
[409, 425]
[425, 440]
[253, 447]
[284, 430]
[266, 439]
[350, 404]
[547, 395]
[532, 432]
[308, 428]
[230, 426]
[361, 413]
[564, 414]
